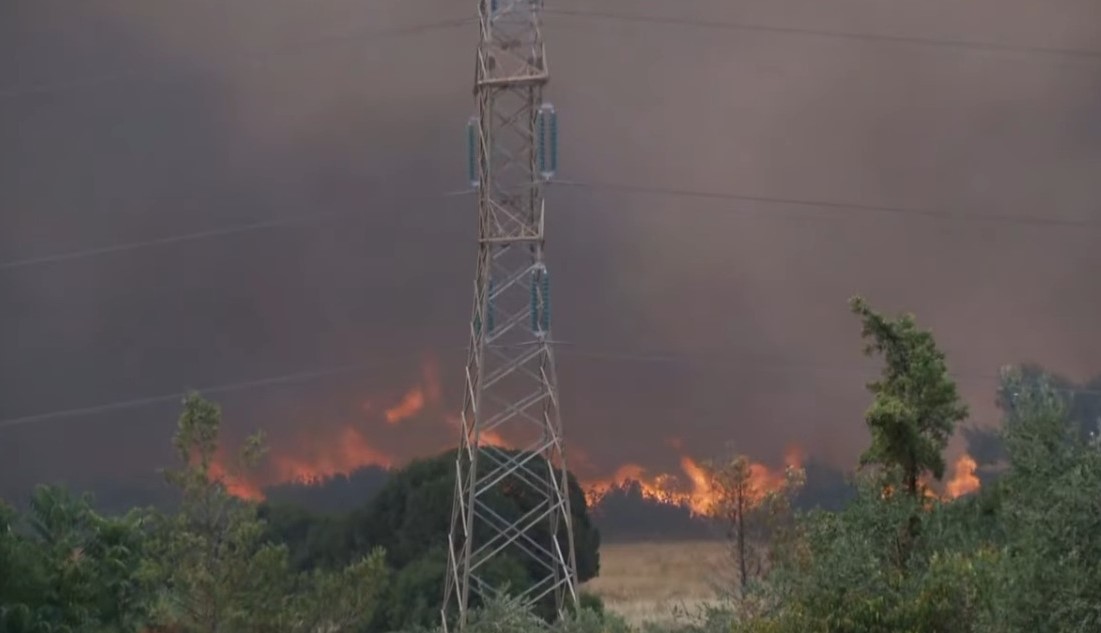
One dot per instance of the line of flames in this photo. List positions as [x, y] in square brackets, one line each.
[694, 491]
[343, 450]
[698, 496]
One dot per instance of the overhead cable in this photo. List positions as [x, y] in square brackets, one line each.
[704, 23]
[750, 363]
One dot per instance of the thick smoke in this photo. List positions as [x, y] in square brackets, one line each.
[168, 118]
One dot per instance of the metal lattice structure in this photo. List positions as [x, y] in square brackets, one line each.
[511, 440]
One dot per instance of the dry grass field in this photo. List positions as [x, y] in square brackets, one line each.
[647, 581]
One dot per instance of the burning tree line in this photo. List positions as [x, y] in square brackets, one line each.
[1022, 554]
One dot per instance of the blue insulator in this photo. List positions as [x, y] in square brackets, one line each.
[535, 300]
[490, 316]
[472, 151]
[477, 325]
[541, 139]
[547, 140]
[553, 142]
[546, 301]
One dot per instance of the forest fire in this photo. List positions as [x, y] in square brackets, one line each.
[694, 491]
[341, 451]
[322, 454]
[411, 404]
[964, 481]
[414, 400]
[341, 454]
[235, 486]
[651, 488]
[488, 438]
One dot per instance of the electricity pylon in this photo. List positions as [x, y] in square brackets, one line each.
[511, 440]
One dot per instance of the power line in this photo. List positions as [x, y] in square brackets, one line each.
[823, 205]
[121, 76]
[161, 241]
[695, 358]
[748, 361]
[270, 381]
[245, 61]
[791, 30]
[831, 205]
[565, 348]
[222, 231]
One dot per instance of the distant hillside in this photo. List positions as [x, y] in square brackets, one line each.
[624, 514]
[339, 493]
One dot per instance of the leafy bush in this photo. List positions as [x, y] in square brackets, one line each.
[411, 517]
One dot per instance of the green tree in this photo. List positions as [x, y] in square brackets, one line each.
[217, 571]
[1051, 512]
[341, 601]
[411, 517]
[66, 568]
[845, 576]
[16, 583]
[886, 561]
[916, 407]
[315, 540]
[751, 513]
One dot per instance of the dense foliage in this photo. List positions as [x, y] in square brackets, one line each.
[1021, 555]
[216, 563]
[409, 519]
[63, 567]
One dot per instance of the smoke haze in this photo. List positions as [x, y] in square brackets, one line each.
[124, 121]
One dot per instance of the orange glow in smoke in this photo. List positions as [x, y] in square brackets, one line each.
[411, 404]
[235, 486]
[487, 438]
[415, 399]
[493, 438]
[794, 457]
[327, 452]
[324, 453]
[345, 453]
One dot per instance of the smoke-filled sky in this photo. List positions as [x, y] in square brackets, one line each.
[128, 120]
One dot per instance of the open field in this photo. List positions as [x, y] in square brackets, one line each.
[647, 581]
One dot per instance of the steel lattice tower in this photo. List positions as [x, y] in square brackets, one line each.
[511, 395]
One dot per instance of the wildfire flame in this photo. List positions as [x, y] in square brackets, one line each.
[348, 452]
[234, 485]
[313, 458]
[411, 404]
[595, 491]
[414, 400]
[694, 492]
[964, 481]
[486, 438]
[319, 456]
